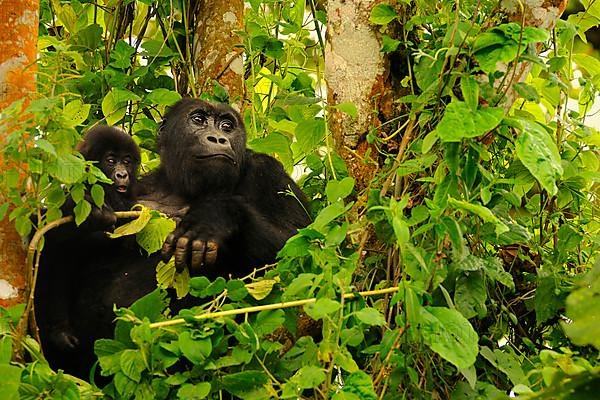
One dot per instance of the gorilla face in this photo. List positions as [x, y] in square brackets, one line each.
[202, 147]
[118, 156]
[120, 167]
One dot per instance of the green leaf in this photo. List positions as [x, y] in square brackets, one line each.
[114, 104]
[153, 234]
[460, 121]
[338, 190]
[309, 376]
[493, 47]
[241, 384]
[163, 97]
[370, 316]
[275, 143]
[309, 134]
[193, 392]
[527, 92]
[583, 309]
[470, 295]
[236, 290]
[450, 335]
[321, 308]
[382, 14]
[357, 385]
[11, 380]
[3, 210]
[537, 151]
[97, 193]
[132, 364]
[167, 276]
[483, 212]
[548, 299]
[82, 210]
[134, 226]
[389, 45]
[588, 63]
[121, 55]
[470, 91]
[157, 48]
[67, 168]
[328, 214]
[455, 234]
[428, 141]
[195, 350]
[348, 108]
[75, 112]
[506, 361]
[46, 147]
[260, 289]
[267, 321]
[494, 269]
[417, 164]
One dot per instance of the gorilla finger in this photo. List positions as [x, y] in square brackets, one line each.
[168, 248]
[198, 250]
[181, 252]
[211, 252]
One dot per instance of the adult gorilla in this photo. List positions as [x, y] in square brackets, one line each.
[237, 207]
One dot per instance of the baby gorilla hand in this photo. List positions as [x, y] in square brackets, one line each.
[101, 219]
[189, 249]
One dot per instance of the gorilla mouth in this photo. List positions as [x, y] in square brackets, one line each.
[122, 188]
[219, 155]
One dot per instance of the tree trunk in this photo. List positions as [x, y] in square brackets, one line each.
[355, 71]
[18, 45]
[217, 53]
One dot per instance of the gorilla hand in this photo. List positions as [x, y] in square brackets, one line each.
[189, 249]
[199, 241]
[100, 218]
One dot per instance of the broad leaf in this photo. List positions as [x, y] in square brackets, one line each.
[461, 121]
[450, 335]
[537, 151]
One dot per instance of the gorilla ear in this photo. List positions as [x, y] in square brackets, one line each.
[85, 149]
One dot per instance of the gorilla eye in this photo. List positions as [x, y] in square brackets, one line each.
[126, 161]
[226, 125]
[199, 118]
[111, 160]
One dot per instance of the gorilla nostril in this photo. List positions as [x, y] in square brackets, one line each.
[217, 140]
[121, 175]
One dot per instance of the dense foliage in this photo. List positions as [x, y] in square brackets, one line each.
[488, 234]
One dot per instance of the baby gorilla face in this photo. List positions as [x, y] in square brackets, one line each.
[119, 167]
[118, 156]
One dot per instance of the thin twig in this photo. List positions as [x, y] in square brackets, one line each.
[274, 306]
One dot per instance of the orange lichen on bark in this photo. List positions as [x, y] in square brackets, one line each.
[18, 46]
[18, 49]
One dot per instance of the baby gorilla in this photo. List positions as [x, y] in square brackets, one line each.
[61, 267]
